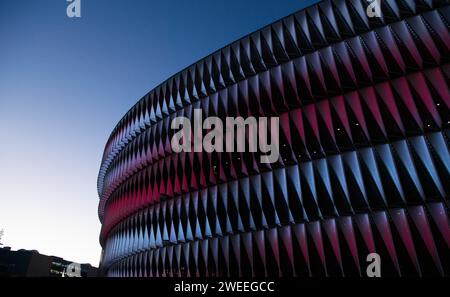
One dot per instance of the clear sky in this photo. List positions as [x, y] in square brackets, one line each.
[65, 83]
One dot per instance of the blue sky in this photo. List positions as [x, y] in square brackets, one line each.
[65, 83]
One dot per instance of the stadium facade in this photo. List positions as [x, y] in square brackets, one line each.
[363, 166]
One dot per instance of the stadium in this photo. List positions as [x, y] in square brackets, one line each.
[363, 166]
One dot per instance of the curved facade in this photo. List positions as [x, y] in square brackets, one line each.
[364, 164]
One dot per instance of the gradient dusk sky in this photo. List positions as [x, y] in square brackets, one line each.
[65, 83]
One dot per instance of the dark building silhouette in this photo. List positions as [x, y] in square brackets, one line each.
[25, 263]
[364, 164]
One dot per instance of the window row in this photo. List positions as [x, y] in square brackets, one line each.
[406, 172]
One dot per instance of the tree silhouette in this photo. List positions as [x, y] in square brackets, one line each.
[1, 235]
